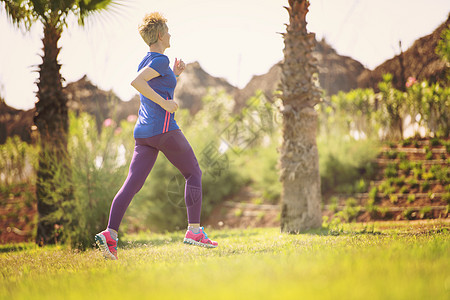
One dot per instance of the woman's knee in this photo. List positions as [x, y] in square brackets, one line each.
[193, 174]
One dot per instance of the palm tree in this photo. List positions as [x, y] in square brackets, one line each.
[299, 158]
[53, 187]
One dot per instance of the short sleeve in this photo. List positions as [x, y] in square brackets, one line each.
[160, 64]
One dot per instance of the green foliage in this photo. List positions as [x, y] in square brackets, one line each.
[430, 104]
[399, 181]
[350, 211]
[350, 112]
[402, 156]
[386, 188]
[362, 113]
[443, 46]
[360, 186]
[99, 167]
[428, 154]
[440, 173]
[411, 198]
[413, 183]
[425, 186]
[391, 154]
[424, 211]
[405, 166]
[393, 108]
[391, 171]
[373, 194]
[393, 199]
[406, 142]
[446, 197]
[344, 163]
[333, 207]
[434, 142]
[17, 162]
[409, 213]
[404, 190]
[26, 13]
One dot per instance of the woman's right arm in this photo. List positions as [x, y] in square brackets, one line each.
[141, 85]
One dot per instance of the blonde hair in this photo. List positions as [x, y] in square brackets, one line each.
[151, 26]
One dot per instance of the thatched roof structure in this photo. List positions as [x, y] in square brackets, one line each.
[336, 73]
[419, 61]
[15, 122]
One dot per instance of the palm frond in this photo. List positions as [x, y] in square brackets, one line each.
[39, 7]
[19, 11]
[88, 8]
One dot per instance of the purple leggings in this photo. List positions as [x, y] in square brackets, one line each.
[178, 151]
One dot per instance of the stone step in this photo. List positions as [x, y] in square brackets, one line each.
[392, 208]
[385, 161]
[251, 206]
[379, 182]
[415, 150]
[366, 195]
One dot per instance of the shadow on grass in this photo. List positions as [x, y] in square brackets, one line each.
[16, 247]
[147, 242]
[337, 231]
[171, 238]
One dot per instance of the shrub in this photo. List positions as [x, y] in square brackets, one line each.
[429, 155]
[434, 142]
[18, 162]
[424, 211]
[411, 198]
[361, 186]
[98, 170]
[383, 211]
[393, 199]
[402, 156]
[373, 194]
[409, 213]
[371, 208]
[344, 163]
[333, 206]
[399, 181]
[447, 146]
[406, 142]
[392, 154]
[391, 171]
[428, 176]
[413, 183]
[425, 186]
[446, 197]
[386, 189]
[404, 190]
[351, 210]
[417, 172]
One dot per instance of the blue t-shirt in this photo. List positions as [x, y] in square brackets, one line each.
[153, 119]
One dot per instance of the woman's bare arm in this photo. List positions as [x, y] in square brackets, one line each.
[141, 85]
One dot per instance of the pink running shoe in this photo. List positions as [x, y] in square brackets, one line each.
[199, 239]
[107, 244]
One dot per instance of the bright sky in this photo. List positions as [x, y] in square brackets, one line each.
[233, 39]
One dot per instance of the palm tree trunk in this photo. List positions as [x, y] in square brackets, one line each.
[51, 118]
[299, 159]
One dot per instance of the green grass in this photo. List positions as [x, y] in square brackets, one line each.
[381, 261]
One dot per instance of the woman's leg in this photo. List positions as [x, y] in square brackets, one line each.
[179, 152]
[144, 158]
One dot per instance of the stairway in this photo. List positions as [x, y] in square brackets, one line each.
[412, 182]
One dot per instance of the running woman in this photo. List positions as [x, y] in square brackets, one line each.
[156, 130]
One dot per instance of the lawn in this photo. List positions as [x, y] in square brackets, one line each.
[408, 260]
